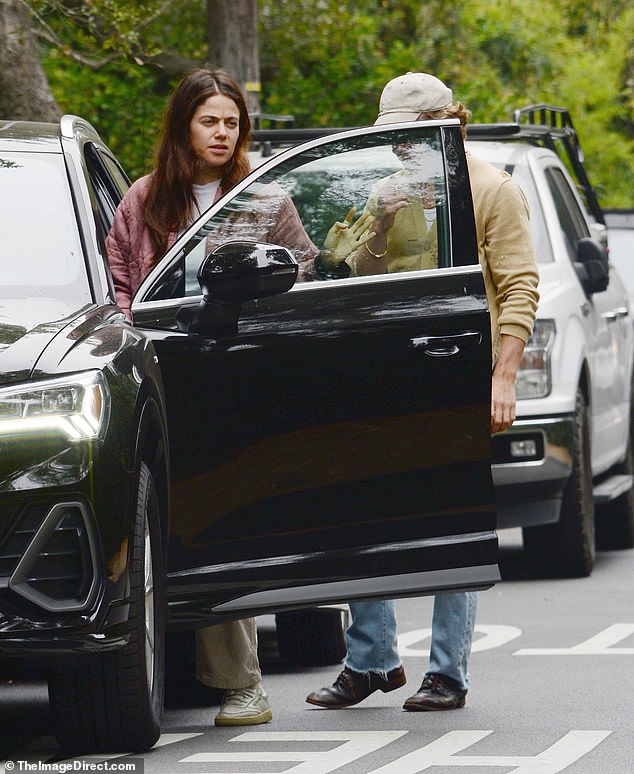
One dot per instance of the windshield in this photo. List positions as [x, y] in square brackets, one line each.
[40, 251]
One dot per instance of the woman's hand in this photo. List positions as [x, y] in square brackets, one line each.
[346, 237]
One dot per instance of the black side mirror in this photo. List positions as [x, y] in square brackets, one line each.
[592, 266]
[233, 273]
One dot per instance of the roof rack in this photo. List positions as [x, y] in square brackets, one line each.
[291, 136]
[273, 120]
[552, 128]
[269, 130]
[267, 139]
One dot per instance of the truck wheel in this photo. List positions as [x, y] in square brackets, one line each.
[113, 702]
[312, 637]
[615, 520]
[567, 549]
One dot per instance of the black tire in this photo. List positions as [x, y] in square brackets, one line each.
[113, 702]
[567, 549]
[615, 520]
[312, 637]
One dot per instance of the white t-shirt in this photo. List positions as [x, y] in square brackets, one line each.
[205, 195]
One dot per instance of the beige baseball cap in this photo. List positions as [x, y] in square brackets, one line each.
[404, 98]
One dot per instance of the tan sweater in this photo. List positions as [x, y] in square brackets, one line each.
[505, 250]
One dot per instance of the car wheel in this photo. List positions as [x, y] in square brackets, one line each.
[567, 549]
[312, 637]
[113, 702]
[615, 520]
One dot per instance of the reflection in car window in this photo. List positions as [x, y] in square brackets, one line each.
[40, 249]
[296, 203]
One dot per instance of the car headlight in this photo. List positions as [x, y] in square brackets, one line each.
[534, 376]
[75, 406]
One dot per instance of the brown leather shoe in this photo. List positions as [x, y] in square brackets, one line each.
[437, 692]
[352, 687]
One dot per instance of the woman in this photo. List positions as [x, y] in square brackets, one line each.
[201, 155]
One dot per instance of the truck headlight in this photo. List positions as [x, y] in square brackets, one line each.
[534, 375]
[75, 406]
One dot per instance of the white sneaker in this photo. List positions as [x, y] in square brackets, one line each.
[244, 707]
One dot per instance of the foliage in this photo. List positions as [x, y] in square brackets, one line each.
[103, 71]
[326, 61]
[497, 55]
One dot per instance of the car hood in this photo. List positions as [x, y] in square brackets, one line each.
[27, 326]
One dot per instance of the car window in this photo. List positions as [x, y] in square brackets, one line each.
[296, 204]
[38, 224]
[573, 223]
[109, 184]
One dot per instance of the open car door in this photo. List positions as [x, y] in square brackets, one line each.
[330, 442]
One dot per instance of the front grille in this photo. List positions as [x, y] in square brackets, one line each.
[14, 547]
[50, 558]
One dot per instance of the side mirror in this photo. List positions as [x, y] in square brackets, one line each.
[233, 273]
[592, 266]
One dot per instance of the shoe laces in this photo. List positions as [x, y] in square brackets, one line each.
[344, 679]
[435, 683]
[353, 682]
[243, 694]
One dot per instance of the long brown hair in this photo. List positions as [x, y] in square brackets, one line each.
[169, 205]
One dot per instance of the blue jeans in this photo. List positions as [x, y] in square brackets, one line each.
[372, 643]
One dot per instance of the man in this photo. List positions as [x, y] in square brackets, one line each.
[510, 275]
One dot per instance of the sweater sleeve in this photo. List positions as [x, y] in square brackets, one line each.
[289, 231]
[511, 261]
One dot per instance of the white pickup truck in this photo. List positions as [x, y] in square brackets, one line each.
[564, 471]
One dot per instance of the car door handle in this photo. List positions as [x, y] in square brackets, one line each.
[615, 314]
[446, 346]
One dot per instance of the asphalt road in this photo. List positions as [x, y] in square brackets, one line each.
[552, 690]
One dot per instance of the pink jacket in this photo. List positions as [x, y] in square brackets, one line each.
[130, 250]
[129, 246]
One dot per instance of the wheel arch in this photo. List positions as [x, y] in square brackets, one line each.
[151, 445]
[585, 383]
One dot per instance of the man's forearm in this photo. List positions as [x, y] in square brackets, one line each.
[503, 400]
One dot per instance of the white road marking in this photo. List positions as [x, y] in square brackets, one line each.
[599, 645]
[34, 757]
[355, 744]
[570, 748]
[441, 752]
[165, 739]
[494, 637]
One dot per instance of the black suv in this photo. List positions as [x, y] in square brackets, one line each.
[241, 449]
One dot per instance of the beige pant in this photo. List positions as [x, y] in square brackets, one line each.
[227, 655]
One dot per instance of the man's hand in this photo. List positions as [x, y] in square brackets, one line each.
[391, 199]
[503, 399]
[345, 237]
